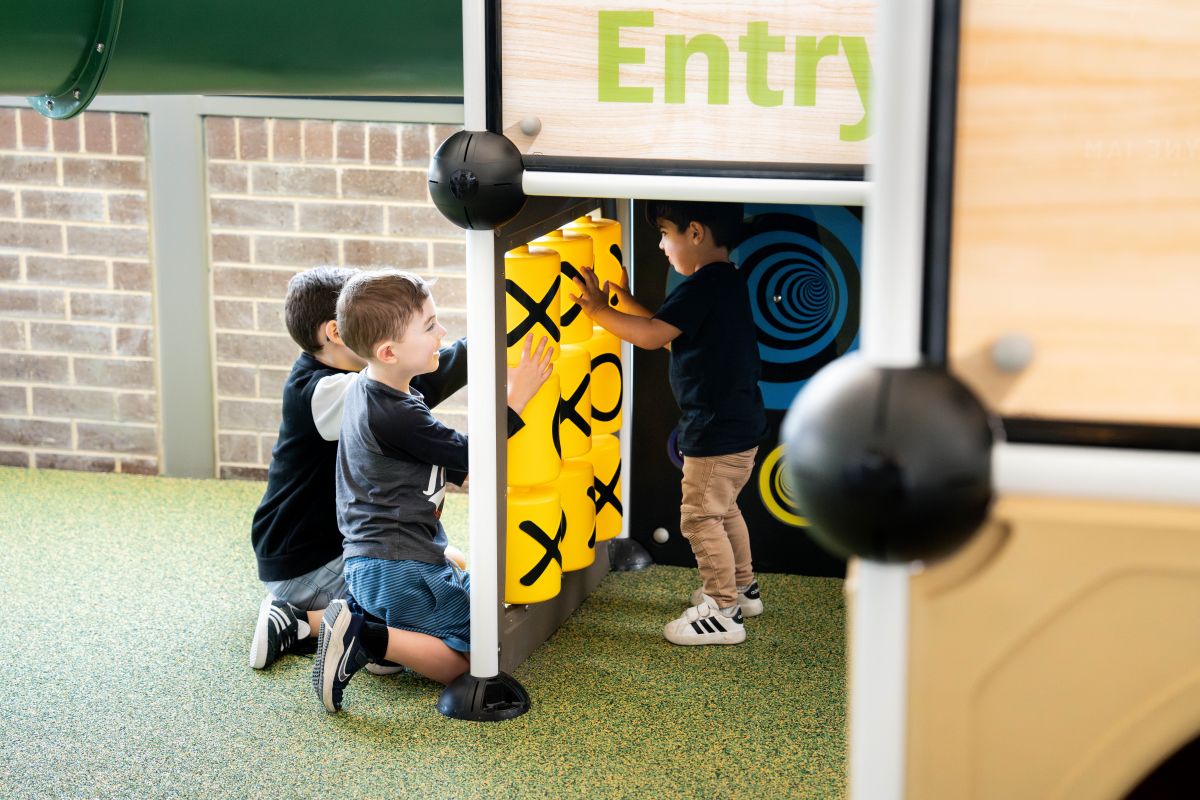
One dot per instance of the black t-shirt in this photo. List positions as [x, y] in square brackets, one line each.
[714, 363]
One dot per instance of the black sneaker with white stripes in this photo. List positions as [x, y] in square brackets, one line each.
[276, 632]
[705, 624]
[340, 654]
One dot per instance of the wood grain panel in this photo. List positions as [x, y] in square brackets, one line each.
[1077, 207]
[550, 71]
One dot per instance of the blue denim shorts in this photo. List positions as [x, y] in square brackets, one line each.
[434, 599]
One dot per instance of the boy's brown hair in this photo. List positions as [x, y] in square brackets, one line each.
[378, 305]
[311, 301]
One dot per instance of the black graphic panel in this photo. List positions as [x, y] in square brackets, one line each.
[801, 265]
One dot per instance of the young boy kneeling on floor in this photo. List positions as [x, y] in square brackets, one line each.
[393, 462]
[294, 533]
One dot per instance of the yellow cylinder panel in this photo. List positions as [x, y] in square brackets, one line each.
[533, 299]
[575, 490]
[606, 249]
[605, 456]
[534, 453]
[536, 527]
[607, 381]
[575, 251]
[574, 370]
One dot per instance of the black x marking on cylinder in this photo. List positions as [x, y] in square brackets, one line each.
[611, 414]
[606, 493]
[568, 410]
[569, 270]
[537, 311]
[552, 552]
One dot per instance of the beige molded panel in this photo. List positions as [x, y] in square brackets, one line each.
[1058, 655]
[811, 110]
[1077, 207]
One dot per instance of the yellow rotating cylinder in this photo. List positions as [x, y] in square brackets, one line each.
[607, 381]
[575, 490]
[606, 249]
[534, 561]
[575, 251]
[574, 370]
[605, 456]
[534, 452]
[533, 299]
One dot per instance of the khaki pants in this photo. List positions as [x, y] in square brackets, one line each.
[712, 523]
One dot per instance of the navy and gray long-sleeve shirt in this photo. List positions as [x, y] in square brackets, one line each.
[394, 459]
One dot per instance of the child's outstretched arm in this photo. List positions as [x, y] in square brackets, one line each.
[645, 332]
[626, 301]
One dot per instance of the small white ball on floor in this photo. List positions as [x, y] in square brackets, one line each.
[661, 535]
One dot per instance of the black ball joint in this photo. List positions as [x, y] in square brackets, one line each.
[475, 180]
[889, 464]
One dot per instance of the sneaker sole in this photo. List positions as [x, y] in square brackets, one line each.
[329, 644]
[729, 637]
[258, 644]
[380, 669]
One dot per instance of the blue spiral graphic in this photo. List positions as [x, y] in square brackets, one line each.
[801, 265]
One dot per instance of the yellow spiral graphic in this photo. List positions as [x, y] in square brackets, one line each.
[775, 489]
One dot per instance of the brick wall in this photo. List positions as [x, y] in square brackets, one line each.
[77, 369]
[77, 379]
[288, 194]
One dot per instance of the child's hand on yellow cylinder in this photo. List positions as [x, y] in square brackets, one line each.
[529, 374]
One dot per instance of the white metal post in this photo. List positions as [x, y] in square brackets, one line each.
[893, 265]
[482, 377]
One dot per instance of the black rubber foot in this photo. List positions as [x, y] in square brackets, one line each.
[492, 699]
[626, 555]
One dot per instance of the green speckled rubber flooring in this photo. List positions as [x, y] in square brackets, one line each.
[129, 603]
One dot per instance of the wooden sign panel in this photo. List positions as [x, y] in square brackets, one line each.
[757, 81]
[1076, 201]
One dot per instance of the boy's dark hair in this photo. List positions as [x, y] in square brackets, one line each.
[311, 301]
[723, 219]
[378, 305]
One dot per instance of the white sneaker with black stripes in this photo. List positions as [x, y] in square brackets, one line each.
[749, 601]
[706, 624]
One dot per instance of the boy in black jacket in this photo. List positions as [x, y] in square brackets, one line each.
[295, 533]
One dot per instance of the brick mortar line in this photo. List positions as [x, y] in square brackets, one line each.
[60, 386]
[80, 156]
[77, 354]
[139, 425]
[99, 324]
[304, 198]
[322, 165]
[83, 224]
[47, 187]
[292, 198]
[117, 457]
[334, 236]
[50, 451]
[84, 289]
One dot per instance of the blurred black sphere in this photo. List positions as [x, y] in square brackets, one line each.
[889, 464]
[475, 180]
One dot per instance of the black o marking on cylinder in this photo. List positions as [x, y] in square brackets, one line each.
[611, 414]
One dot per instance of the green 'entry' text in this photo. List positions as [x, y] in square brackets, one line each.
[758, 44]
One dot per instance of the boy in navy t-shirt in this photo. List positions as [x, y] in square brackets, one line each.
[714, 375]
